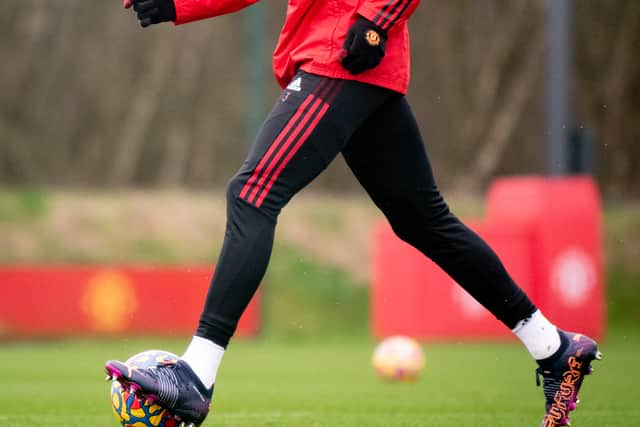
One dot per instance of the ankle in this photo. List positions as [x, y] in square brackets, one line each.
[551, 360]
[540, 336]
[204, 357]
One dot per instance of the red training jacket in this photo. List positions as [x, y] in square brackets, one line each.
[314, 31]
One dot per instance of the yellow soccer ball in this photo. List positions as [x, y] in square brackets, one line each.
[133, 411]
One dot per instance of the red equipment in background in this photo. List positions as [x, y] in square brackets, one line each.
[59, 301]
[547, 232]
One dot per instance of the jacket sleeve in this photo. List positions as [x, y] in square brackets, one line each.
[386, 13]
[193, 10]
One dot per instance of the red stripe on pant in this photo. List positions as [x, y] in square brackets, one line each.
[298, 123]
[258, 170]
[295, 149]
[283, 148]
[292, 122]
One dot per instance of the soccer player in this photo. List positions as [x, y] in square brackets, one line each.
[344, 69]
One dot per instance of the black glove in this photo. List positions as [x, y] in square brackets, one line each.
[364, 46]
[153, 11]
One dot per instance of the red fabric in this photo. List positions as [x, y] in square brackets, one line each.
[314, 31]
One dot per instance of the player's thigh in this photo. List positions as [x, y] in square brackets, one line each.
[309, 125]
[388, 157]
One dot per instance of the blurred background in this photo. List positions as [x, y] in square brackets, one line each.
[117, 106]
[116, 143]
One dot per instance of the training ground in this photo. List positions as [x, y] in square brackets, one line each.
[311, 365]
[327, 382]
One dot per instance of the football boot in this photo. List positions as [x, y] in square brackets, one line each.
[173, 385]
[562, 376]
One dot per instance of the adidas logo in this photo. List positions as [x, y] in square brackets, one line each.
[296, 84]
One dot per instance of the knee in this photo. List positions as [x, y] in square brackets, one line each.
[409, 230]
[403, 220]
[242, 211]
[234, 188]
[420, 221]
[402, 230]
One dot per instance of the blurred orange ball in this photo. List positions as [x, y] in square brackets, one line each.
[398, 359]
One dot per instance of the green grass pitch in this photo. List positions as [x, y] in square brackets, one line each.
[325, 382]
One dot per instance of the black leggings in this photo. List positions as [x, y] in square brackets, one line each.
[375, 130]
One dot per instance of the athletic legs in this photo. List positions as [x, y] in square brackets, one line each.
[307, 128]
[301, 136]
[387, 156]
[315, 119]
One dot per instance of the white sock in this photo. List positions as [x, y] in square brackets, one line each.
[539, 335]
[204, 357]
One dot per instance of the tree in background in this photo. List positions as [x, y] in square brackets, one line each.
[79, 106]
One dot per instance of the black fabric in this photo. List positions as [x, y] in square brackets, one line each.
[364, 46]
[388, 157]
[375, 130]
[154, 11]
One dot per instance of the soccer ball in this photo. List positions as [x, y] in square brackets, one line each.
[131, 410]
[398, 359]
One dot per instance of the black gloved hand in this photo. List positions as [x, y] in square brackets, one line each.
[364, 47]
[153, 11]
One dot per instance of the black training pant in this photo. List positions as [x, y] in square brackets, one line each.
[314, 120]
